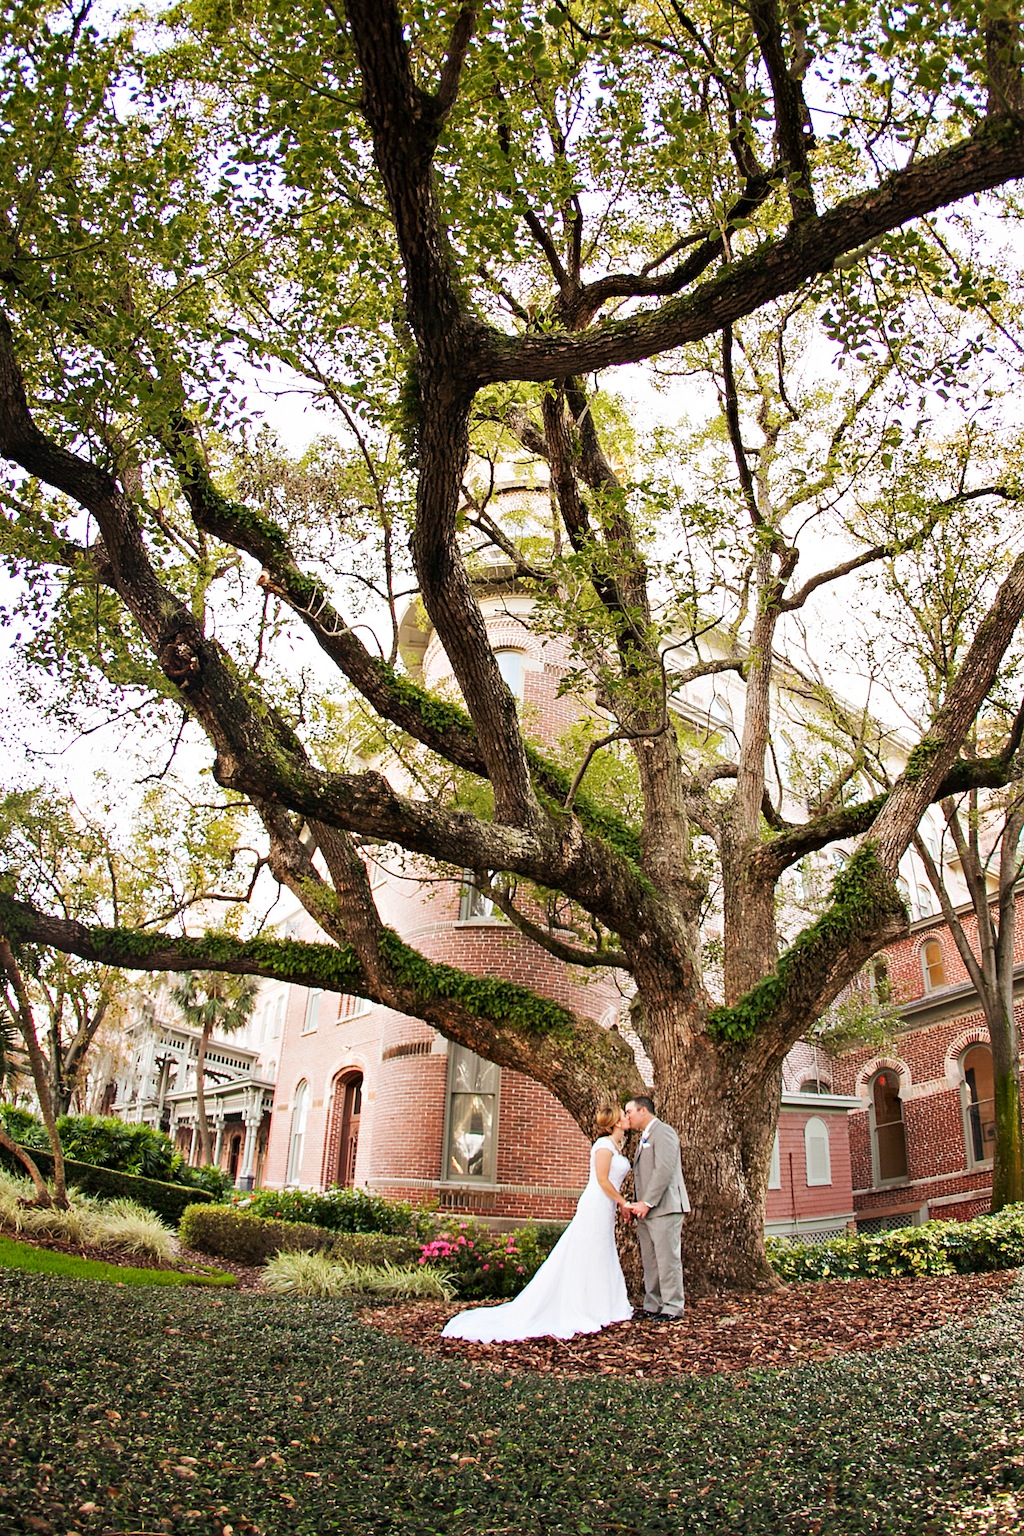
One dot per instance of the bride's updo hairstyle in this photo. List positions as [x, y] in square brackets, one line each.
[606, 1119]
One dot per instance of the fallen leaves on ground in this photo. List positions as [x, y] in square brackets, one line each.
[751, 1331]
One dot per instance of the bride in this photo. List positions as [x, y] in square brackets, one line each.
[579, 1288]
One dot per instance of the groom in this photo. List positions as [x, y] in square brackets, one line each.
[660, 1206]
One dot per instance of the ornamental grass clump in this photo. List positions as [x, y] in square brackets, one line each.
[130, 1228]
[118, 1224]
[315, 1274]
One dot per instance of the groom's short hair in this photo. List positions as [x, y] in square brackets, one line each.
[643, 1101]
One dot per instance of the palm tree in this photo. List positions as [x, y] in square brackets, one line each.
[211, 1002]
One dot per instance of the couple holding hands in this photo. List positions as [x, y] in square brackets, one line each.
[580, 1286]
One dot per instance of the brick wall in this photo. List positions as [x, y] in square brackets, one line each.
[940, 1023]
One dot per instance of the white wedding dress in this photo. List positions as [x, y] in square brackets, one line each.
[578, 1289]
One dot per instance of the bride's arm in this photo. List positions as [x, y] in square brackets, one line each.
[602, 1167]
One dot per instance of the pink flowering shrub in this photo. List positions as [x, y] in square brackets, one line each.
[484, 1264]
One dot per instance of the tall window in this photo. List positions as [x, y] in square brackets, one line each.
[510, 665]
[472, 1116]
[978, 1100]
[300, 1113]
[933, 965]
[473, 902]
[775, 1170]
[816, 1151]
[312, 1017]
[888, 1133]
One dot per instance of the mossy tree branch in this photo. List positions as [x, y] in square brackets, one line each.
[575, 1058]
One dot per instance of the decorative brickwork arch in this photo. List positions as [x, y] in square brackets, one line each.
[974, 1034]
[871, 1070]
[933, 963]
[341, 1143]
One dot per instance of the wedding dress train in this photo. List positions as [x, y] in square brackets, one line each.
[578, 1289]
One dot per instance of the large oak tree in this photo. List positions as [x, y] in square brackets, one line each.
[448, 221]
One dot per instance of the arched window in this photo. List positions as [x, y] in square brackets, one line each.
[300, 1112]
[888, 1134]
[510, 665]
[816, 1151]
[977, 1095]
[933, 965]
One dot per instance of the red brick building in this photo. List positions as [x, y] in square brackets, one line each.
[368, 1096]
[921, 1140]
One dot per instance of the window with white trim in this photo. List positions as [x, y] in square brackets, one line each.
[513, 671]
[472, 901]
[311, 1017]
[472, 1120]
[775, 1170]
[978, 1105]
[933, 965]
[300, 1113]
[817, 1154]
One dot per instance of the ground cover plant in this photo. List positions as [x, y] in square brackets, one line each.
[32, 1259]
[185, 1412]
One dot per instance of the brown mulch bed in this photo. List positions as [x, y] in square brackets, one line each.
[791, 1326]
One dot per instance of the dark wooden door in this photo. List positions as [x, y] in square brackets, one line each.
[348, 1144]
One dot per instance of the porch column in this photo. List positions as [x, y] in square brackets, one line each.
[252, 1114]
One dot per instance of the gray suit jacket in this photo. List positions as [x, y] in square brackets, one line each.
[658, 1173]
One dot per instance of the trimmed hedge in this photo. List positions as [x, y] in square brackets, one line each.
[375, 1248]
[935, 1248]
[244, 1239]
[166, 1200]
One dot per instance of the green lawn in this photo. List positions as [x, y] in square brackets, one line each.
[129, 1410]
[43, 1261]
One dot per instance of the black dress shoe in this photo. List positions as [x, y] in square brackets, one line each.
[640, 1315]
[669, 1317]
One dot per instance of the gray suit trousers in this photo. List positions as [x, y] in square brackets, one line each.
[659, 1239]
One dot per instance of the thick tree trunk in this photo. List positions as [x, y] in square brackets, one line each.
[1008, 1163]
[203, 1124]
[725, 1110]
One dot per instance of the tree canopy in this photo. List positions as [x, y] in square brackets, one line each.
[451, 224]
